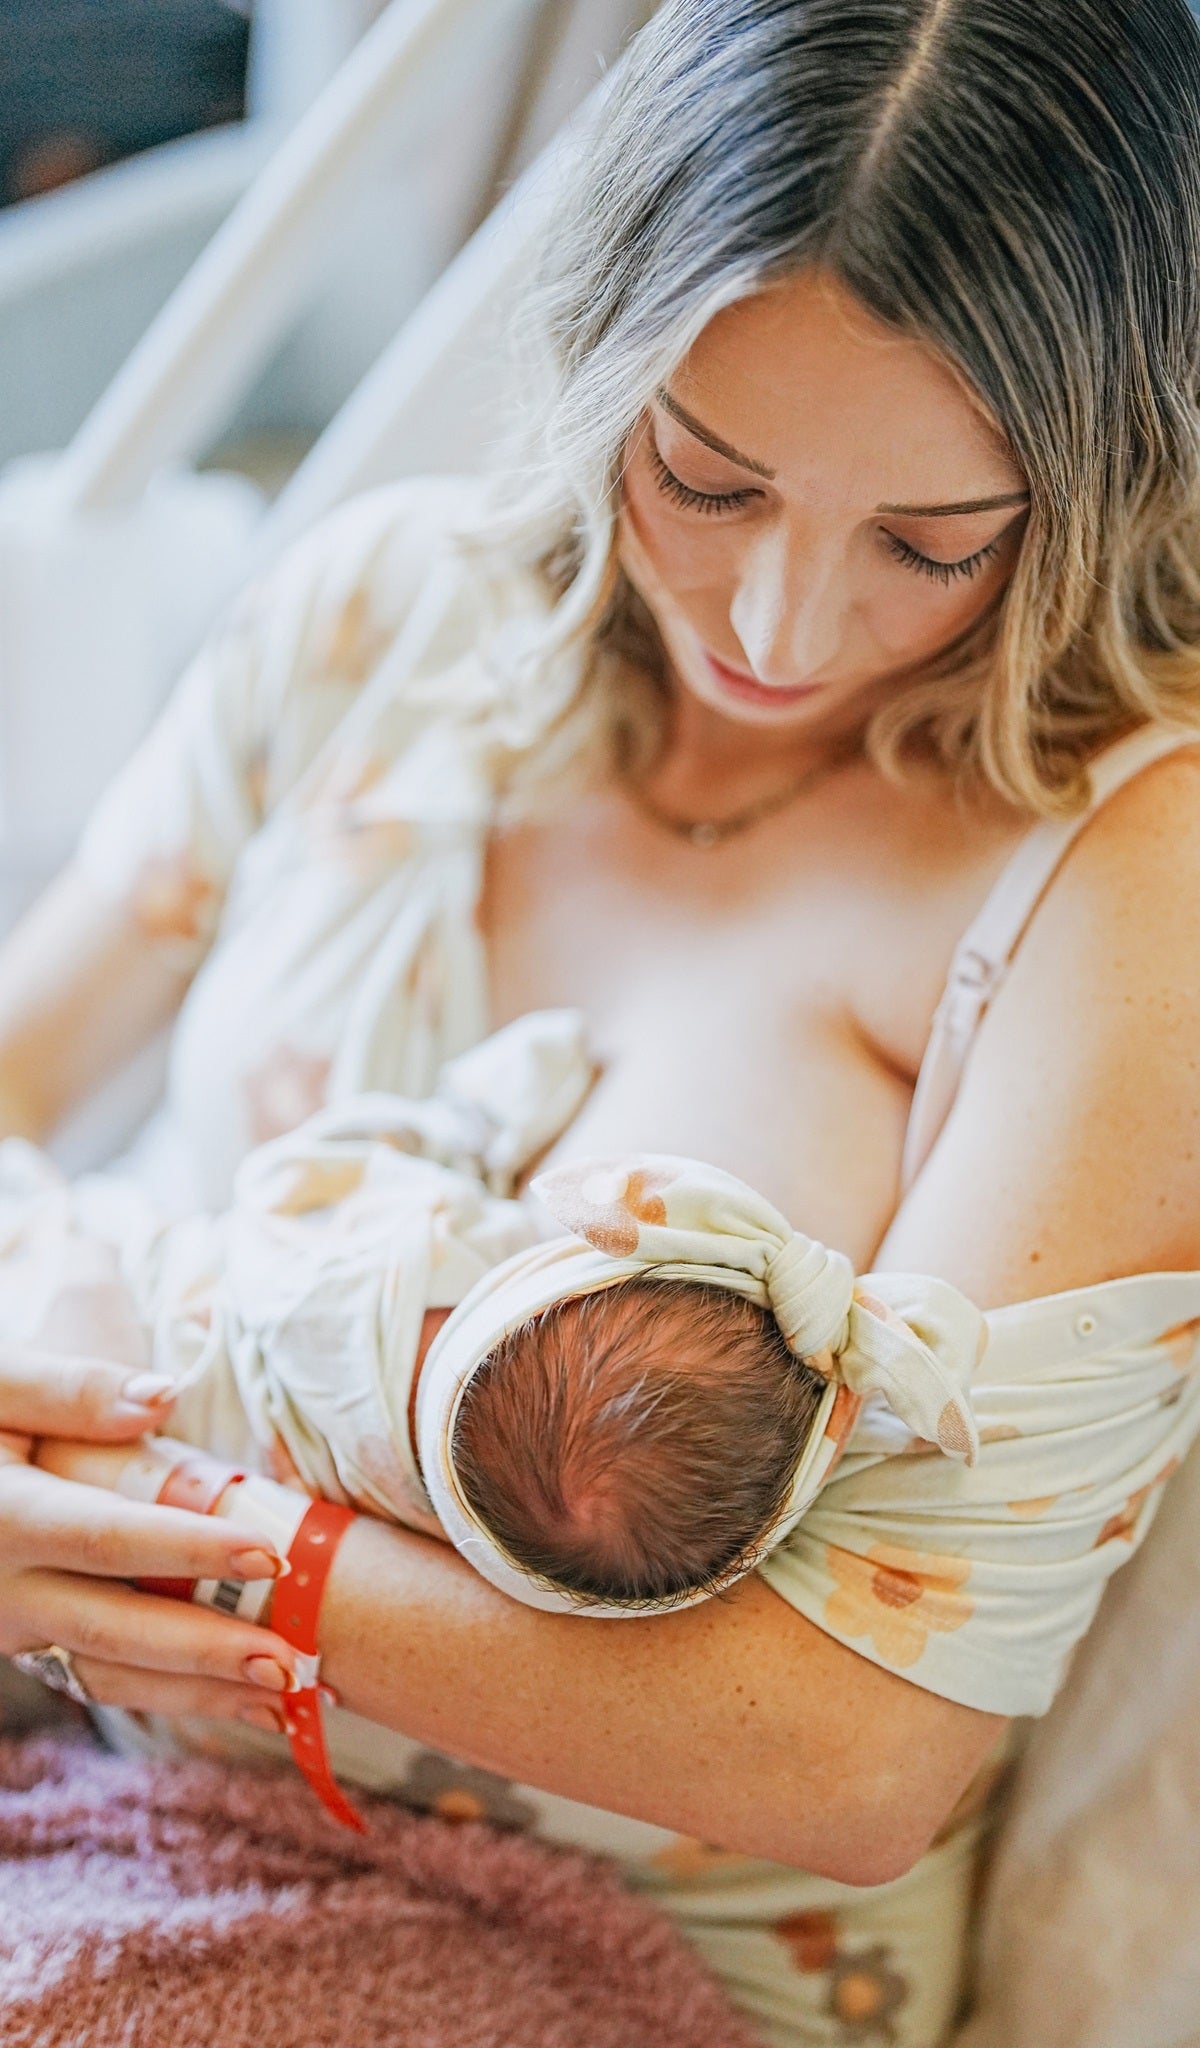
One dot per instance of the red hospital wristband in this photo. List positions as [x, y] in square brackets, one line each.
[196, 1482]
[294, 1611]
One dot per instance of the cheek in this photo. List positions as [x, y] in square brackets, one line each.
[683, 555]
[911, 615]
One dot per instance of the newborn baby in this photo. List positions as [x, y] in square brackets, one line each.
[628, 1415]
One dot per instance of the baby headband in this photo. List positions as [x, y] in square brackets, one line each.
[911, 1341]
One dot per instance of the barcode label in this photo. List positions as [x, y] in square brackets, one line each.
[226, 1596]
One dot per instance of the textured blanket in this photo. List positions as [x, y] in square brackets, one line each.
[194, 1905]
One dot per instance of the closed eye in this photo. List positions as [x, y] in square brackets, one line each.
[673, 487]
[940, 572]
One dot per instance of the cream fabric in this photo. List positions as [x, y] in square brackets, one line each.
[306, 827]
[291, 1323]
[681, 1219]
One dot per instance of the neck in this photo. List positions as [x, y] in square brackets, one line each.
[707, 756]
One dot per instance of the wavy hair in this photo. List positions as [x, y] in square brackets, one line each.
[1016, 183]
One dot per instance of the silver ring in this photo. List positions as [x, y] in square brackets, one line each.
[54, 1667]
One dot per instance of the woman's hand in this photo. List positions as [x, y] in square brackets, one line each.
[65, 1550]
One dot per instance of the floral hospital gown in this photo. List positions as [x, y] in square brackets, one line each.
[305, 827]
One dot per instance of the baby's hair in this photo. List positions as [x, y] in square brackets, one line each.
[636, 1443]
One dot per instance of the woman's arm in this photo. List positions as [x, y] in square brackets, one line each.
[81, 990]
[738, 1721]
[1072, 1154]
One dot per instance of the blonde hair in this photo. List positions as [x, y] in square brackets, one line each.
[1014, 182]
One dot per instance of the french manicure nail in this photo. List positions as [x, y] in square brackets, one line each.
[256, 1564]
[148, 1390]
[267, 1672]
[263, 1717]
[330, 1697]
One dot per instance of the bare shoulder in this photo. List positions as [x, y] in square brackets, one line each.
[1142, 848]
[1120, 918]
[1073, 1151]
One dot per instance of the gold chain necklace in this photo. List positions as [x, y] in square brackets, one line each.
[711, 832]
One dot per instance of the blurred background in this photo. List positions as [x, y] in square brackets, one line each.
[254, 254]
[83, 85]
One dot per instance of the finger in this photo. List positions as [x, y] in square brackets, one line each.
[113, 1624]
[50, 1393]
[156, 1692]
[60, 1525]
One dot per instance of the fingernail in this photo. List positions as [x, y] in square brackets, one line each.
[267, 1672]
[263, 1716]
[257, 1564]
[330, 1697]
[148, 1390]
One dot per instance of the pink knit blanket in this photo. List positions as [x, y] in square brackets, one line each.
[193, 1905]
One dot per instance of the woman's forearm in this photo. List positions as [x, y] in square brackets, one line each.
[81, 990]
[737, 1721]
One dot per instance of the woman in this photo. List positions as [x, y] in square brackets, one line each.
[861, 522]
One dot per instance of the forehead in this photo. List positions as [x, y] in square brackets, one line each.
[804, 378]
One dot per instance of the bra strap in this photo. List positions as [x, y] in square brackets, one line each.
[984, 953]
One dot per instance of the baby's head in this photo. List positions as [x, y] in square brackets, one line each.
[636, 1443]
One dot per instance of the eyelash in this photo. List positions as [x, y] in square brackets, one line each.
[674, 487]
[940, 572]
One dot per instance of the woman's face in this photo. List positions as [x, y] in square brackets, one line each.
[812, 506]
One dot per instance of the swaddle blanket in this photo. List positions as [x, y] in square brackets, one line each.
[292, 1323]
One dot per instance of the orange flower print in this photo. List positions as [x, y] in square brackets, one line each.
[311, 1184]
[896, 1597]
[684, 1858]
[282, 1090]
[357, 642]
[1124, 1524]
[953, 1433]
[173, 900]
[460, 1792]
[865, 1995]
[847, 1407]
[810, 1938]
[345, 826]
[425, 981]
[606, 1205]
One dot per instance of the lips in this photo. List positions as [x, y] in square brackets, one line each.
[751, 691]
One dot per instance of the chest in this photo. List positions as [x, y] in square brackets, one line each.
[765, 1007]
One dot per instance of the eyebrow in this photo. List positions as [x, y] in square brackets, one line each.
[950, 511]
[722, 447]
[705, 434]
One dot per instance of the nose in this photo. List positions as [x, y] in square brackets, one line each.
[787, 610]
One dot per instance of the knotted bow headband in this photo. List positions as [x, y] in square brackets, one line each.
[912, 1341]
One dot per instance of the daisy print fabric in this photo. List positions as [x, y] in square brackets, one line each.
[301, 833]
[978, 1580]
